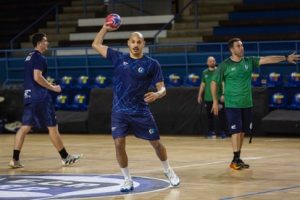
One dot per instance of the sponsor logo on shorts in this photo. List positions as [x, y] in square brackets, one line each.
[71, 186]
[113, 128]
[151, 131]
[233, 127]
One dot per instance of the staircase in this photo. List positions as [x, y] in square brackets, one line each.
[68, 20]
[187, 30]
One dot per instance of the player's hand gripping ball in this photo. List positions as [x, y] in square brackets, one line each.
[113, 20]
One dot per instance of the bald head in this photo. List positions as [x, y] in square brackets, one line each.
[211, 62]
[136, 34]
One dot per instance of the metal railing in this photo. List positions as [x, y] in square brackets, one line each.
[186, 64]
[46, 14]
[176, 17]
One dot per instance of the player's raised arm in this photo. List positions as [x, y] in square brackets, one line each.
[292, 58]
[112, 23]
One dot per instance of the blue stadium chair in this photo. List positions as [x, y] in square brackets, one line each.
[295, 102]
[67, 82]
[62, 102]
[83, 82]
[256, 80]
[50, 79]
[193, 80]
[101, 81]
[274, 80]
[278, 100]
[293, 80]
[79, 102]
[174, 80]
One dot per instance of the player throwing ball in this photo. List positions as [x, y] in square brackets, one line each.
[133, 75]
[235, 72]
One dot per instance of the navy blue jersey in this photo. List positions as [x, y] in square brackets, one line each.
[131, 81]
[33, 92]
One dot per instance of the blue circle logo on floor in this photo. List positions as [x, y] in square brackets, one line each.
[68, 186]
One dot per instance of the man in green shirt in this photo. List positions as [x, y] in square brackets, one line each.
[235, 72]
[216, 124]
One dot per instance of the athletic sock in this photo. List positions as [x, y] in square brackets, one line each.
[63, 153]
[166, 165]
[239, 153]
[126, 174]
[235, 156]
[16, 155]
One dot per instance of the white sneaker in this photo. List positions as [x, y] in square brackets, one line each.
[71, 159]
[127, 186]
[15, 164]
[173, 178]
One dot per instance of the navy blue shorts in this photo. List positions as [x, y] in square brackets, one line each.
[142, 126]
[239, 120]
[39, 115]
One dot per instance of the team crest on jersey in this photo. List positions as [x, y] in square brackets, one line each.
[141, 70]
[246, 67]
[69, 186]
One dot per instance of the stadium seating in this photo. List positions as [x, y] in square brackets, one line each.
[174, 80]
[193, 80]
[295, 105]
[83, 82]
[79, 102]
[62, 102]
[293, 80]
[101, 81]
[278, 100]
[67, 82]
[256, 80]
[274, 80]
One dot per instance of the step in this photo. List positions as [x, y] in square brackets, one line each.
[58, 37]
[180, 40]
[66, 23]
[191, 25]
[75, 16]
[189, 32]
[175, 49]
[81, 9]
[28, 45]
[220, 2]
[215, 9]
[61, 30]
[86, 2]
[205, 17]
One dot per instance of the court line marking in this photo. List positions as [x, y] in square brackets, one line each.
[262, 192]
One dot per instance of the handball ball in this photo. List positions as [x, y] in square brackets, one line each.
[114, 20]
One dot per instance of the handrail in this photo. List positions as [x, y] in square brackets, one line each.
[35, 22]
[175, 17]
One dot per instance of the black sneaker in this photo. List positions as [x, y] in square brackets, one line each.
[242, 164]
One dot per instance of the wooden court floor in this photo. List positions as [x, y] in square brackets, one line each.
[202, 165]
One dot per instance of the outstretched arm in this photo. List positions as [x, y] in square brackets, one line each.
[152, 96]
[292, 58]
[98, 41]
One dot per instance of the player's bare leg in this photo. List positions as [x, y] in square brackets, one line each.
[19, 141]
[121, 155]
[161, 152]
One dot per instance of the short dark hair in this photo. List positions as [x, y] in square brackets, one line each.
[37, 37]
[232, 41]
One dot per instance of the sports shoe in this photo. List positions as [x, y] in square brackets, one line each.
[235, 165]
[71, 159]
[127, 186]
[15, 164]
[173, 178]
[242, 164]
